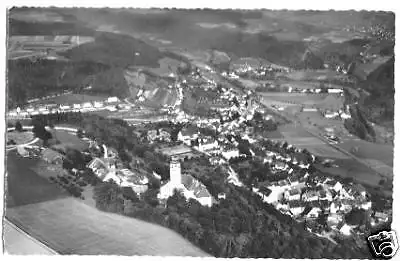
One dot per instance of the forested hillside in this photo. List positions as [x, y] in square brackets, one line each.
[99, 63]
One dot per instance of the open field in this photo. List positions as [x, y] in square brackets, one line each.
[354, 169]
[167, 66]
[37, 16]
[39, 44]
[313, 75]
[249, 84]
[367, 150]
[19, 137]
[69, 140]
[24, 186]
[70, 99]
[71, 227]
[300, 138]
[16, 242]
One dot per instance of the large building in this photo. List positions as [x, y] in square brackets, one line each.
[186, 184]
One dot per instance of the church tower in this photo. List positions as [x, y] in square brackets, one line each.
[175, 172]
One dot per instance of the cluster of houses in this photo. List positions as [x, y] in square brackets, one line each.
[106, 169]
[158, 135]
[342, 114]
[305, 198]
[328, 113]
[256, 70]
[111, 104]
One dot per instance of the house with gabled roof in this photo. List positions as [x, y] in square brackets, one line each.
[296, 207]
[314, 212]
[311, 195]
[188, 134]
[293, 194]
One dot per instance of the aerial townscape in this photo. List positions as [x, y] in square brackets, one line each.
[225, 133]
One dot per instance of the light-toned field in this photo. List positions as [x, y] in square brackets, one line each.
[71, 227]
[300, 138]
[249, 83]
[167, 66]
[313, 75]
[295, 98]
[37, 16]
[70, 99]
[380, 167]
[368, 150]
[16, 242]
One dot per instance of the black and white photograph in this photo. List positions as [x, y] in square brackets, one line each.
[199, 132]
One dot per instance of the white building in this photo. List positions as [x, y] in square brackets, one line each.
[65, 107]
[208, 145]
[293, 194]
[188, 134]
[335, 90]
[345, 115]
[330, 115]
[314, 212]
[366, 205]
[310, 109]
[98, 104]
[233, 153]
[87, 105]
[346, 230]
[186, 184]
[333, 208]
[112, 99]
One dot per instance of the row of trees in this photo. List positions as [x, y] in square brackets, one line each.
[359, 126]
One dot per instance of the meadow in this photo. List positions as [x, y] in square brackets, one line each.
[368, 150]
[68, 140]
[24, 186]
[19, 137]
[349, 168]
[71, 227]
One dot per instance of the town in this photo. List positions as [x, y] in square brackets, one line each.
[276, 150]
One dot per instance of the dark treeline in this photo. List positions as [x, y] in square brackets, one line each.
[358, 124]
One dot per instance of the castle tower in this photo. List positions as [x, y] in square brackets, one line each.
[175, 172]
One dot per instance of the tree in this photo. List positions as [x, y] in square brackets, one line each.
[258, 117]
[356, 217]
[128, 193]
[18, 126]
[108, 197]
[79, 133]
[76, 158]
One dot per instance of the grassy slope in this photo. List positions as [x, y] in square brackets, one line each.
[72, 227]
[105, 58]
[24, 186]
